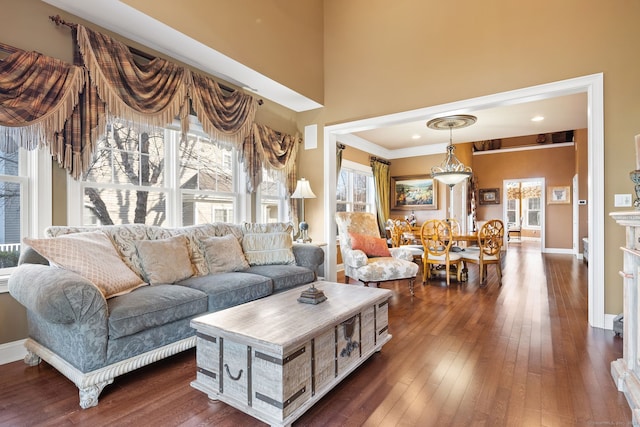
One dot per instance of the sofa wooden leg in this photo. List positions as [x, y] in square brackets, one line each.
[31, 358]
[89, 395]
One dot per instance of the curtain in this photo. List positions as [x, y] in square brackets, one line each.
[46, 101]
[37, 95]
[382, 185]
[513, 192]
[275, 151]
[224, 117]
[339, 149]
[152, 94]
[531, 191]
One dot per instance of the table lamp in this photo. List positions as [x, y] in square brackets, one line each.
[303, 191]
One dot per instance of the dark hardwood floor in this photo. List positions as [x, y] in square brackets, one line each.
[520, 354]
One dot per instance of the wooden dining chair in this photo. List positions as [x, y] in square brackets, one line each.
[435, 235]
[490, 240]
[403, 236]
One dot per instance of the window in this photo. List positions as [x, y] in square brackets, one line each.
[271, 198]
[207, 180]
[355, 191]
[12, 191]
[513, 207]
[157, 178]
[532, 212]
[25, 202]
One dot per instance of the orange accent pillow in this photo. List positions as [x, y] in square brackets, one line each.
[372, 246]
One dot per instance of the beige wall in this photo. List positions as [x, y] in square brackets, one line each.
[555, 165]
[281, 39]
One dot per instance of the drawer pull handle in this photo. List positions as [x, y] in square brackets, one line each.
[236, 378]
[626, 275]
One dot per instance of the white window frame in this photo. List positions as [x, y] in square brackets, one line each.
[75, 189]
[365, 170]
[34, 177]
[280, 200]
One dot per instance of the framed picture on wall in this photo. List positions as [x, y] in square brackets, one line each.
[415, 192]
[559, 195]
[489, 196]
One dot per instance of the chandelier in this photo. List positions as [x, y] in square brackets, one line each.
[451, 171]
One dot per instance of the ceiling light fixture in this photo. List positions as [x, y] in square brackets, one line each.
[451, 171]
[537, 119]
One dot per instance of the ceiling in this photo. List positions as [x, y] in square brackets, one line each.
[382, 138]
[560, 113]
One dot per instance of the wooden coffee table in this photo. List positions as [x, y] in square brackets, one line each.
[275, 357]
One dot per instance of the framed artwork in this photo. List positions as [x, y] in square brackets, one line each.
[489, 196]
[559, 195]
[415, 192]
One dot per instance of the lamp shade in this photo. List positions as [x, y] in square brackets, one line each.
[303, 190]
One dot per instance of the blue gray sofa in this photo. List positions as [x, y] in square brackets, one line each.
[91, 339]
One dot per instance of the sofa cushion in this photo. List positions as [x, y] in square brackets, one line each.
[154, 255]
[284, 276]
[152, 306]
[122, 236]
[230, 289]
[194, 234]
[266, 244]
[92, 256]
[224, 254]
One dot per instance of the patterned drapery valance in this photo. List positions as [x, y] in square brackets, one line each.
[37, 96]
[274, 151]
[46, 101]
[517, 192]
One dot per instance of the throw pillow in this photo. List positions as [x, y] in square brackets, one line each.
[224, 254]
[370, 245]
[265, 244]
[92, 256]
[165, 260]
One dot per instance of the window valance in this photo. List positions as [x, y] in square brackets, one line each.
[46, 101]
[37, 96]
[274, 151]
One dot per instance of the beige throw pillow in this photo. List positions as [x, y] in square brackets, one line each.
[165, 260]
[224, 254]
[92, 256]
[271, 243]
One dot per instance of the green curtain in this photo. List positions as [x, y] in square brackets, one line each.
[339, 149]
[382, 184]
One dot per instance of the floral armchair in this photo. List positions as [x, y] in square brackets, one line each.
[365, 254]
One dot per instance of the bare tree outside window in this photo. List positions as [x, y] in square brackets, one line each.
[128, 181]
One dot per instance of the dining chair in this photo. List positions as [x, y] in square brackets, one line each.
[403, 236]
[435, 235]
[488, 251]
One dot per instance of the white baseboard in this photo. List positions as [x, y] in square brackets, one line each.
[12, 351]
[557, 251]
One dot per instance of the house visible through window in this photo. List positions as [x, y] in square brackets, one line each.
[12, 188]
[158, 178]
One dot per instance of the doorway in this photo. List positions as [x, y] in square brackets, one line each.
[593, 85]
[524, 210]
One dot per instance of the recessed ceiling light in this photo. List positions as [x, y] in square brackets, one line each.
[415, 136]
[537, 119]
